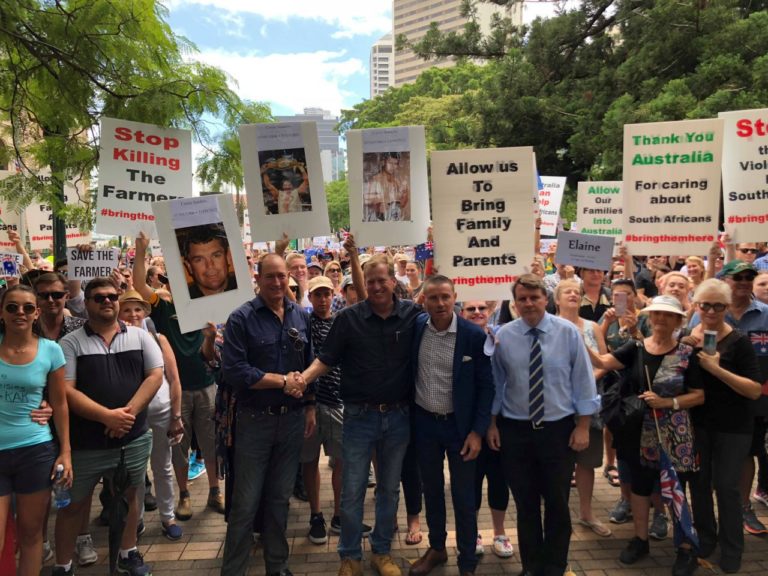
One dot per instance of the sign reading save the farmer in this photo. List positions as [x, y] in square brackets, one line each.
[139, 164]
[672, 186]
[482, 217]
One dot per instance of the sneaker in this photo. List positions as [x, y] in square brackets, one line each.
[479, 548]
[86, 552]
[336, 526]
[751, 523]
[215, 501]
[635, 550]
[61, 571]
[686, 562]
[184, 509]
[371, 478]
[659, 528]
[350, 567]
[621, 513]
[173, 532]
[317, 532]
[196, 469]
[761, 496]
[140, 528]
[150, 502]
[384, 565]
[502, 546]
[47, 551]
[133, 565]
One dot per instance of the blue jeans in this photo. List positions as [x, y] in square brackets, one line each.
[433, 439]
[267, 452]
[365, 431]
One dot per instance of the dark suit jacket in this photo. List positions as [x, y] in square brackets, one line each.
[473, 388]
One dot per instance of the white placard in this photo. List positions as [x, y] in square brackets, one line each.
[246, 228]
[745, 174]
[482, 218]
[283, 177]
[11, 264]
[139, 164]
[154, 246]
[388, 187]
[585, 250]
[188, 212]
[212, 277]
[672, 186]
[599, 209]
[550, 198]
[39, 216]
[9, 220]
[89, 264]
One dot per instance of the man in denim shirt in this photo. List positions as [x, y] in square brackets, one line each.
[265, 341]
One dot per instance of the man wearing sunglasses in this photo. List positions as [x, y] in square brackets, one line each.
[750, 316]
[52, 295]
[112, 373]
[265, 341]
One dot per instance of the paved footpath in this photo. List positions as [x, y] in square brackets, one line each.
[201, 548]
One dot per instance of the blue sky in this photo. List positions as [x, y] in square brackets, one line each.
[291, 53]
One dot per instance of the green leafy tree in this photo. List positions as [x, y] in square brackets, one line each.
[337, 197]
[66, 63]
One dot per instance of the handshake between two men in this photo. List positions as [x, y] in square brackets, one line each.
[294, 384]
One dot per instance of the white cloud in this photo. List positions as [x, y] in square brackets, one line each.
[292, 81]
[350, 17]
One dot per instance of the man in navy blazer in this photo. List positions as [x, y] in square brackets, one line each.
[452, 410]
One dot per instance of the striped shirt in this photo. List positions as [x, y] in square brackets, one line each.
[328, 390]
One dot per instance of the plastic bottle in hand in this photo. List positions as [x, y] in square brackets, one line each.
[60, 492]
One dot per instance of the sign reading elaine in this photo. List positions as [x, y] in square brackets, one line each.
[483, 224]
[139, 164]
[672, 186]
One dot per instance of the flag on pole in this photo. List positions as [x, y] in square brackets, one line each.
[674, 497]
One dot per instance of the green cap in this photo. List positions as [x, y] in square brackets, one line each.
[736, 267]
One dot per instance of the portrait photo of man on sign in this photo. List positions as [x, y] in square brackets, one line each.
[285, 182]
[386, 187]
[207, 259]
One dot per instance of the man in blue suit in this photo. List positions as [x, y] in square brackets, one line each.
[452, 410]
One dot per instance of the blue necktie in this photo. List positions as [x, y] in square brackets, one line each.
[535, 381]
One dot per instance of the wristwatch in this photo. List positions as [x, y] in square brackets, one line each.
[285, 382]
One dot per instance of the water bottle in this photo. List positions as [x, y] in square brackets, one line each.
[60, 492]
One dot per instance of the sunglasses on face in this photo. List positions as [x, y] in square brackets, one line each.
[748, 250]
[54, 295]
[473, 309]
[707, 306]
[13, 308]
[100, 298]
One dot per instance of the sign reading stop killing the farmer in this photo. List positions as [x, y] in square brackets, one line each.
[482, 218]
[745, 174]
[672, 186]
[139, 164]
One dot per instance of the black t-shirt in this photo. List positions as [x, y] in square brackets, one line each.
[627, 355]
[725, 410]
[644, 280]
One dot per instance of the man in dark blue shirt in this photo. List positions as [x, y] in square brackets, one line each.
[265, 341]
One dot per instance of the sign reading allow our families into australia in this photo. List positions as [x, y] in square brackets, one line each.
[483, 223]
[672, 186]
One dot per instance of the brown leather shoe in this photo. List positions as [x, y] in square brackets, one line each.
[432, 559]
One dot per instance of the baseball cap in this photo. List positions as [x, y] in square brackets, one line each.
[346, 282]
[315, 265]
[319, 282]
[736, 267]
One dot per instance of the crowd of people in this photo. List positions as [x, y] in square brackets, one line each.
[371, 358]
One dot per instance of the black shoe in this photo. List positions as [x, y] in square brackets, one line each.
[336, 526]
[150, 502]
[635, 550]
[140, 528]
[299, 492]
[283, 572]
[59, 571]
[730, 565]
[685, 563]
[317, 532]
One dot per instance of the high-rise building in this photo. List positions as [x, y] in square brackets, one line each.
[333, 158]
[382, 65]
[413, 18]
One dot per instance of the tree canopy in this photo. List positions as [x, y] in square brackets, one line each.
[66, 63]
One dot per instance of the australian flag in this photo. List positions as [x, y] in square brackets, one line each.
[424, 251]
[674, 497]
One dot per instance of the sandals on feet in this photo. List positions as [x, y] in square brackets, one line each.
[611, 473]
[413, 537]
[596, 526]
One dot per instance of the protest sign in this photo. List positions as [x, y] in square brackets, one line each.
[672, 186]
[155, 248]
[584, 250]
[12, 262]
[599, 209]
[388, 188]
[283, 177]
[745, 174]
[89, 264]
[246, 228]
[204, 258]
[139, 164]
[550, 197]
[482, 218]
[40, 216]
[9, 219]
